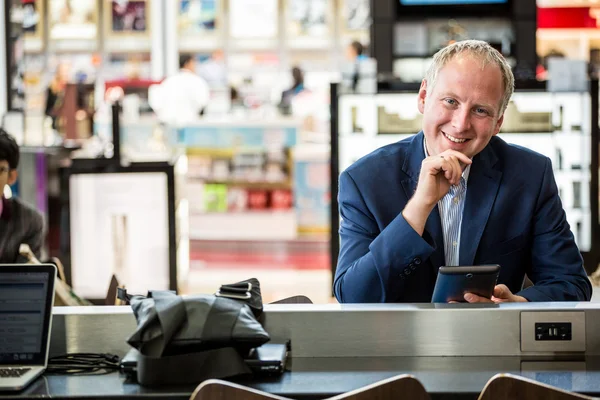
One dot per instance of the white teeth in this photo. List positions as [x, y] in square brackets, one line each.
[455, 140]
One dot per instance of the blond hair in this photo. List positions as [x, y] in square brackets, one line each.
[480, 50]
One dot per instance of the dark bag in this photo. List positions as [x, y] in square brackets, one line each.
[174, 332]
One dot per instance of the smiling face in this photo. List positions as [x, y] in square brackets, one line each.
[462, 110]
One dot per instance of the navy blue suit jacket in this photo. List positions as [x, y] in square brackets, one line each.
[513, 216]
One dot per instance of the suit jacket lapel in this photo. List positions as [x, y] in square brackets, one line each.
[482, 188]
[5, 231]
[433, 227]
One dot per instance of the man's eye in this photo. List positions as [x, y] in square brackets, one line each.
[481, 111]
[451, 101]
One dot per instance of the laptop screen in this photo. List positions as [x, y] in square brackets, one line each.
[26, 296]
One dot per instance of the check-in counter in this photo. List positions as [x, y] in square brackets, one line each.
[452, 349]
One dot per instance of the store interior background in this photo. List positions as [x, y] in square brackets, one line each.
[251, 181]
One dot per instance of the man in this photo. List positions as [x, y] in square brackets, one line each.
[19, 223]
[455, 194]
[180, 98]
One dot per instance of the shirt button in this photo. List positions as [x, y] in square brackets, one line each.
[455, 200]
[455, 243]
[407, 271]
[417, 261]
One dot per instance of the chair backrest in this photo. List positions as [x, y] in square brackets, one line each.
[301, 299]
[111, 294]
[395, 388]
[514, 387]
[216, 389]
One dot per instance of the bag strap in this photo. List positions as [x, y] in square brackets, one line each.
[171, 312]
[236, 291]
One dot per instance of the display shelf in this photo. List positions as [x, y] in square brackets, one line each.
[238, 173]
[249, 185]
[253, 225]
[574, 43]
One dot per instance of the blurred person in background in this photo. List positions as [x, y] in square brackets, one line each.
[55, 93]
[181, 98]
[214, 70]
[297, 87]
[355, 55]
[19, 222]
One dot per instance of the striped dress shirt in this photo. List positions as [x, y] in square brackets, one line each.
[451, 208]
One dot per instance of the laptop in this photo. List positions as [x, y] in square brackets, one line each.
[26, 298]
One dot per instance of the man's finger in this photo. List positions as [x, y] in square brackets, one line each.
[499, 300]
[463, 158]
[457, 170]
[473, 298]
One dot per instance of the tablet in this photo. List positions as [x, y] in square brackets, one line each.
[453, 282]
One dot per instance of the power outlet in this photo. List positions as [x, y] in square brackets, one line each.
[552, 331]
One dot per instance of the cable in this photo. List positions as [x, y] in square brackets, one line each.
[83, 364]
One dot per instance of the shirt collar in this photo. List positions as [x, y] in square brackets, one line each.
[465, 173]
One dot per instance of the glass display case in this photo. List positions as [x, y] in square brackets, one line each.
[557, 125]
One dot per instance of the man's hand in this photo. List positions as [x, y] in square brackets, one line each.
[502, 294]
[437, 174]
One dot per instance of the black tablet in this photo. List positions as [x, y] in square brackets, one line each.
[453, 282]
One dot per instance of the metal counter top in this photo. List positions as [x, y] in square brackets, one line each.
[365, 330]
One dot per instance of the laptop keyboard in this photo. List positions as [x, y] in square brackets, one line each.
[13, 372]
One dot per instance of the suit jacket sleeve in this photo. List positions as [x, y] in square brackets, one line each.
[373, 265]
[556, 266]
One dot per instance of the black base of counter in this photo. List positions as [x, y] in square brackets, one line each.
[317, 378]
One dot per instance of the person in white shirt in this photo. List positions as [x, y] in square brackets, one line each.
[180, 98]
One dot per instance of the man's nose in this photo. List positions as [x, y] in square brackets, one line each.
[461, 120]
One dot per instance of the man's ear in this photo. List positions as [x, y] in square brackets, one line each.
[422, 96]
[499, 124]
[12, 176]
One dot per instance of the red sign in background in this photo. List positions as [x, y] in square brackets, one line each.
[568, 17]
